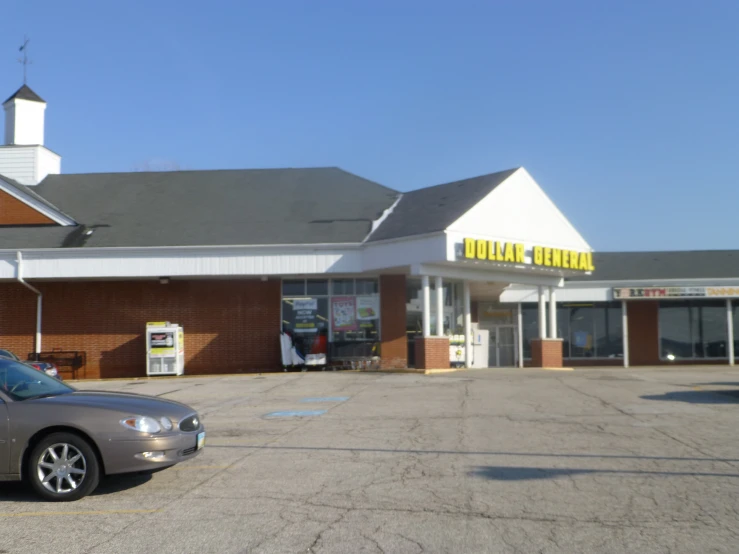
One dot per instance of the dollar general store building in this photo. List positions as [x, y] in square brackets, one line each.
[405, 279]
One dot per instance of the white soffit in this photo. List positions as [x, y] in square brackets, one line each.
[519, 210]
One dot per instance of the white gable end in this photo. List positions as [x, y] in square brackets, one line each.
[518, 210]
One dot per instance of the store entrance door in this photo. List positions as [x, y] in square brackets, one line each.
[503, 345]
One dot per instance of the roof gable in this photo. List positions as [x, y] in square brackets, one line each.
[19, 205]
[519, 210]
[433, 209]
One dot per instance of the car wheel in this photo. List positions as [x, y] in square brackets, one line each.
[63, 467]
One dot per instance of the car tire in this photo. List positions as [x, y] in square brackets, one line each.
[63, 467]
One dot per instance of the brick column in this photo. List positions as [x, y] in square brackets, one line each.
[546, 353]
[432, 353]
[394, 344]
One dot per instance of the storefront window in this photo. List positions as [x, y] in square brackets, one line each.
[294, 287]
[342, 286]
[346, 310]
[692, 329]
[587, 330]
[316, 287]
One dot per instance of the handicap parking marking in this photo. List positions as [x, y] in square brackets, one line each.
[296, 413]
[327, 399]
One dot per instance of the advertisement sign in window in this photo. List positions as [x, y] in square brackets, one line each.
[344, 313]
[306, 310]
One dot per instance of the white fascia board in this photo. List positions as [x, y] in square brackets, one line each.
[403, 252]
[702, 282]
[35, 204]
[89, 263]
[530, 294]
[468, 274]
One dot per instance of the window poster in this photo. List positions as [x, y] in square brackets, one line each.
[344, 313]
[306, 310]
[368, 307]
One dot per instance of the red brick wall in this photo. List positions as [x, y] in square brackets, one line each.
[394, 347]
[432, 353]
[230, 326]
[546, 353]
[15, 212]
[643, 317]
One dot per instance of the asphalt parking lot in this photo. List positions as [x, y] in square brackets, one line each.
[478, 461]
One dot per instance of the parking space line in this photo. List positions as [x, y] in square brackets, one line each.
[327, 399]
[296, 413]
[188, 468]
[78, 513]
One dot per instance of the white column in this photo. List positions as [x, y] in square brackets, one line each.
[552, 313]
[730, 331]
[520, 336]
[625, 331]
[467, 325]
[542, 314]
[426, 288]
[439, 307]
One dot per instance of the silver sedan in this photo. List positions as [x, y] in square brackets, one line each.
[62, 441]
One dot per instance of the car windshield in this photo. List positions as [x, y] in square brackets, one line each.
[22, 382]
[7, 354]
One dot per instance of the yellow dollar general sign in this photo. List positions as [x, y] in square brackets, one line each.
[497, 251]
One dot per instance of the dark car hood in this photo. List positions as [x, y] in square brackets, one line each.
[131, 404]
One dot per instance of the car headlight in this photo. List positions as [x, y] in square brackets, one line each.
[166, 423]
[143, 424]
[52, 372]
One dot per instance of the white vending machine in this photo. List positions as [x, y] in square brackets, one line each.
[480, 346]
[165, 348]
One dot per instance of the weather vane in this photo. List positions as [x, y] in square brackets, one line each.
[24, 60]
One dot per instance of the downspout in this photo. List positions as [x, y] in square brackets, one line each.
[39, 301]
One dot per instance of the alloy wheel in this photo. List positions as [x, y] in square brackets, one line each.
[61, 468]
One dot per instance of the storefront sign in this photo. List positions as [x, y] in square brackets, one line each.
[344, 313]
[515, 252]
[675, 292]
[305, 310]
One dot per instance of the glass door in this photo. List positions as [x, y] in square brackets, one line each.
[506, 346]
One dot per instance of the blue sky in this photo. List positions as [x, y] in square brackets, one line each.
[625, 112]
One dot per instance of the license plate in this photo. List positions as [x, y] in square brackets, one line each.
[201, 440]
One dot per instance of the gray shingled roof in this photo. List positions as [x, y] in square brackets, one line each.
[700, 264]
[205, 208]
[433, 209]
[25, 93]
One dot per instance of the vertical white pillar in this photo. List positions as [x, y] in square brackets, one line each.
[542, 314]
[730, 331]
[552, 313]
[467, 325]
[520, 336]
[426, 317]
[625, 331]
[439, 307]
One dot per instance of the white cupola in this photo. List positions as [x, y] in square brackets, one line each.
[24, 118]
[23, 156]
